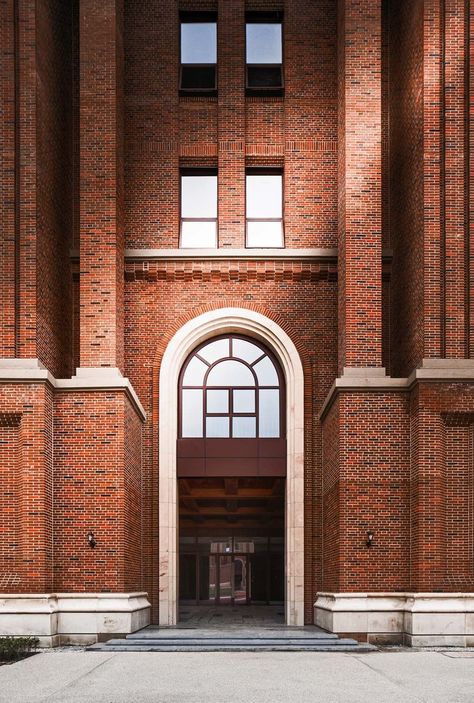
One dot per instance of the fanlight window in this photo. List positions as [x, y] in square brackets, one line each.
[231, 388]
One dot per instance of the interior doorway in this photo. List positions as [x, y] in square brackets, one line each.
[231, 541]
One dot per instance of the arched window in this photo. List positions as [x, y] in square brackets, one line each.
[231, 387]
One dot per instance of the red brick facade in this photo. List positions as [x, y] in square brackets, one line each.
[374, 136]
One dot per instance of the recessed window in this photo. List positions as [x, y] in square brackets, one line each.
[264, 53]
[264, 206]
[198, 54]
[198, 209]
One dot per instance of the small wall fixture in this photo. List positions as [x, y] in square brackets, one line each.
[91, 540]
[370, 538]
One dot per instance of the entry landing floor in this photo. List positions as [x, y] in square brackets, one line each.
[231, 616]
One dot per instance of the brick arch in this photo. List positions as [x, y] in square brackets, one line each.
[202, 323]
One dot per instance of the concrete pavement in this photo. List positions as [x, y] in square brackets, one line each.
[388, 676]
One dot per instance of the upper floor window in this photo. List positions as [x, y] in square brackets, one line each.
[198, 208]
[264, 53]
[198, 53]
[231, 388]
[264, 199]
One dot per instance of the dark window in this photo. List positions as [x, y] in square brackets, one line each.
[198, 54]
[264, 208]
[264, 53]
[198, 208]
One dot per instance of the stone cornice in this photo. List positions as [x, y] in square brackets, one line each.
[374, 380]
[316, 254]
[93, 379]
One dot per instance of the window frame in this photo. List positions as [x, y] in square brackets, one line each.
[186, 171]
[267, 171]
[197, 18]
[231, 389]
[265, 18]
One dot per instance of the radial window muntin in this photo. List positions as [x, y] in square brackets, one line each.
[227, 414]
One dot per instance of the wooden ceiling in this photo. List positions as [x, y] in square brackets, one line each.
[221, 502]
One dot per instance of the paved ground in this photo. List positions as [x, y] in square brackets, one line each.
[382, 677]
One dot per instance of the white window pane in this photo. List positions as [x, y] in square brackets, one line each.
[215, 350]
[244, 427]
[192, 413]
[245, 350]
[263, 43]
[198, 234]
[218, 401]
[198, 42]
[217, 427]
[264, 234]
[230, 373]
[194, 374]
[198, 196]
[244, 401]
[264, 196]
[266, 373]
[269, 413]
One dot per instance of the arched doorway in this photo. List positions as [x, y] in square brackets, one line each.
[231, 467]
[254, 325]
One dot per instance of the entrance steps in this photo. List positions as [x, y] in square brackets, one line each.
[270, 639]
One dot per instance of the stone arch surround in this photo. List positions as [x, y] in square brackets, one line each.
[194, 331]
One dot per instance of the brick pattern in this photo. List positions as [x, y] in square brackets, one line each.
[360, 184]
[101, 183]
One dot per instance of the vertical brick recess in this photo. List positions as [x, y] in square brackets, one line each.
[360, 184]
[101, 187]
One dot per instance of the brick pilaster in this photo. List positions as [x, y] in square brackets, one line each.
[231, 123]
[101, 183]
[360, 183]
[7, 180]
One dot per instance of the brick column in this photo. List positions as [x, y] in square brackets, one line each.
[231, 123]
[7, 180]
[101, 183]
[360, 184]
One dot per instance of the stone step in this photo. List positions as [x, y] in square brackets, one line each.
[227, 642]
[237, 647]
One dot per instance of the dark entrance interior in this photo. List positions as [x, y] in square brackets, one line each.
[231, 541]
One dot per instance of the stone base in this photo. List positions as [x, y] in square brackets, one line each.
[73, 618]
[413, 619]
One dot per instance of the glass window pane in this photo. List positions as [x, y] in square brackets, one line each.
[230, 373]
[245, 350]
[215, 350]
[192, 413]
[264, 234]
[199, 234]
[198, 42]
[264, 196]
[217, 426]
[244, 426]
[198, 196]
[194, 374]
[263, 43]
[269, 413]
[217, 401]
[244, 402]
[266, 373]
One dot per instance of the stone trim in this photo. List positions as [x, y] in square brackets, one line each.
[374, 380]
[73, 618]
[413, 619]
[194, 331]
[86, 379]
